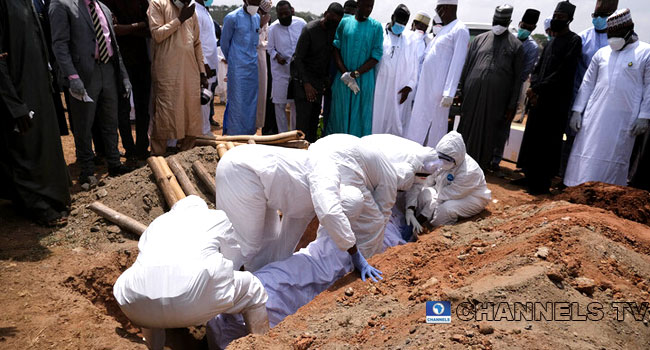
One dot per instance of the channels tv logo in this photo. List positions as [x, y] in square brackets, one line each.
[438, 312]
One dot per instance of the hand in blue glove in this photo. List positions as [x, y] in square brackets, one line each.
[366, 270]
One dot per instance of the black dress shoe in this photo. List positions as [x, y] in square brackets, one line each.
[87, 182]
[520, 182]
[119, 170]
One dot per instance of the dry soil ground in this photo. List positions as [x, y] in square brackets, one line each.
[56, 285]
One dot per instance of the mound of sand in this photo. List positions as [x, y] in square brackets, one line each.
[135, 194]
[547, 252]
[626, 202]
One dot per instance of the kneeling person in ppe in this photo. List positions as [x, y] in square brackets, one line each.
[255, 181]
[460, 183]
[181, 279]
[295, 281]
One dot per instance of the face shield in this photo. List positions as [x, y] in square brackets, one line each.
[448, 162]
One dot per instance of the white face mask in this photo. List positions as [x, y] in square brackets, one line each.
[498, 30]
[616, 44]
[446, 166]
[252, 10]
[436, 29]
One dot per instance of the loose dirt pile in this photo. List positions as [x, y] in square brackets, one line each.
[626, 202]
[545, 252]
[135, 194]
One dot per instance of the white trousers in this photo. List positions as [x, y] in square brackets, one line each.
[281, 116]
[450, 211]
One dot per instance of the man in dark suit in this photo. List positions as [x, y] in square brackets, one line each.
[90, 64]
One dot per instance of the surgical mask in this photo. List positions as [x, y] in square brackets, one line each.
[616, 44]
[208, 3]
[523, 34]
[252, 10]
[498, 30]
[446, 166]
[600, 23]
[285, 21]
[436, 29]
[179, 4]
[558, 25]
[398, 28]
[549, 37]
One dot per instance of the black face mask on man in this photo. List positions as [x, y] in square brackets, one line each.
[331, 25]
[286, 21]
[558, 25]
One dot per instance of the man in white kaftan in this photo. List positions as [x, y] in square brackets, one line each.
[210, 56]
[615, 99]
[283, 39]
[441, 70]
[396, 77]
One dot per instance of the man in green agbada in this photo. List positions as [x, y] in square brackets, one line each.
[359, 47]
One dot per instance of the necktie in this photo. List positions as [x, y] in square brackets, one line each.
[99, 33]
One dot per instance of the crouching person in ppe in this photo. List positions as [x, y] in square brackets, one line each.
[181, 279]
[415, 165]
[255, 181]
[460, 183]
[295, 281]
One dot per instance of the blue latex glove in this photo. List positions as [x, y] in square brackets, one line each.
[366, 270]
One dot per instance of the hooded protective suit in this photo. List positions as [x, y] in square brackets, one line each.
[462, 190]
[180, 278]
[296, 281]
[408, 157]
[254, 182]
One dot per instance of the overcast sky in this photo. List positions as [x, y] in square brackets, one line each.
[482, 10]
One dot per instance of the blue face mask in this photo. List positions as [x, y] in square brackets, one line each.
[397, 28]
[523, 34]
[208, 3]
[600, 23]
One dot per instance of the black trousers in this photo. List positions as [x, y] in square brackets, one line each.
[140, 77]
[308, 114]
[100, 114]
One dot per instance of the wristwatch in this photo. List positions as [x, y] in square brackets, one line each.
[356, 74]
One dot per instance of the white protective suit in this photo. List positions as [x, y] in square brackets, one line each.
[294, 282]
[255, 181]
[614, 93]
[369, 170]
[180, 278]
[408, 158]
[441, 70]
[394, 72]
[461, 191]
